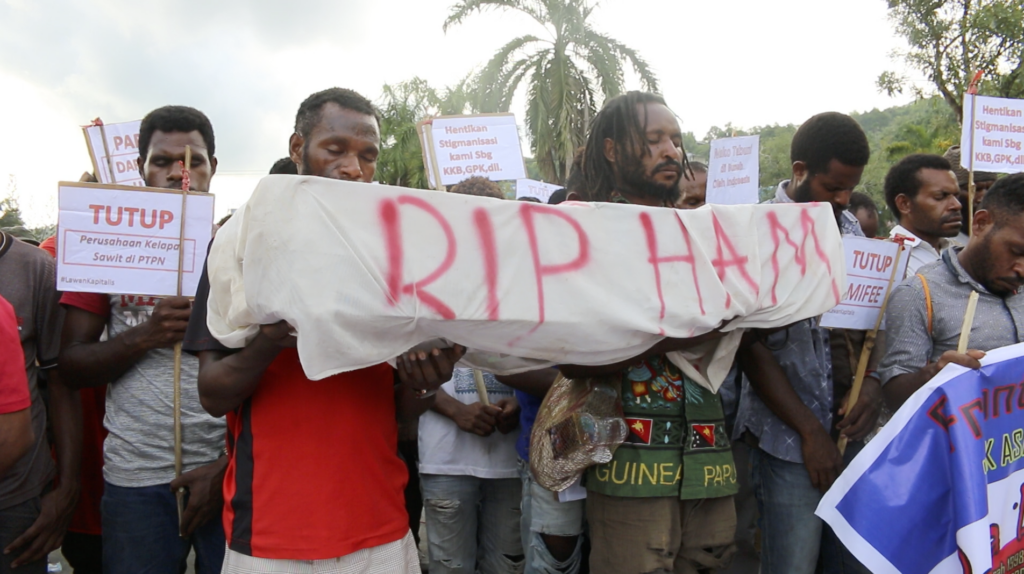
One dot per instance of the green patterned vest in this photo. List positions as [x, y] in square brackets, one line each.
[677, 444]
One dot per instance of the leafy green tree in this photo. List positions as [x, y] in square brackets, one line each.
[567, 68]
[402, 106]
[949, 40]
[10, 213]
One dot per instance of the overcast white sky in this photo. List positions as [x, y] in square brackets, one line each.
[249, 63]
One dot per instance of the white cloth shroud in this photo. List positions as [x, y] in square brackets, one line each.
[366, 272]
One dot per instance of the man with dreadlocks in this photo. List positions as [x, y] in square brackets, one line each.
[653, 507]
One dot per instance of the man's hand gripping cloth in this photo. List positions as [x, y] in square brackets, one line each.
[366, 272]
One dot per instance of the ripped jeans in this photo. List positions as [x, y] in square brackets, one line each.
[472, 524]
[544, 514]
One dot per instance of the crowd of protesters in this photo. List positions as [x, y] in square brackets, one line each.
[281, 474]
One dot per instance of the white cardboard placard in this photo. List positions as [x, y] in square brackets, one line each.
[467, 146]
[119, 239]
[733, 171]
[998, 144]
[534, 188]
[868, 268]
[122, 146]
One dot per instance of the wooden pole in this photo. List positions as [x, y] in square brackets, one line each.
[968, 324]
[481, 387]
[432, 154]
[185, 184]
[869, 345]
[972, 90]
[106, 152]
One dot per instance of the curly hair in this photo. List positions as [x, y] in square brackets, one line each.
[479, 186]
[830, 136]
[169, 119]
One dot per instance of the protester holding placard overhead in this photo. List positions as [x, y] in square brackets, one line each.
[921, 190]
[684, 520]
[788, 413]
[925, 316]
[34, 513]
[141, 529]
[314, 472]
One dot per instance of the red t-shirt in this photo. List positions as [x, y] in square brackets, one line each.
[14, 394]
[314, 471]
[87, 517]
[49, 245]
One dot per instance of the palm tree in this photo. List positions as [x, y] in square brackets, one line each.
[402, 106]
[565, 70]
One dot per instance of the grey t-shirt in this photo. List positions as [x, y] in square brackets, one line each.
[139, 450]
[27, 282]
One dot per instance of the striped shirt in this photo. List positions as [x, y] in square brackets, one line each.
[909, 342]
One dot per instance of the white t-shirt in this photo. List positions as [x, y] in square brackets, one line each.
[447, 449]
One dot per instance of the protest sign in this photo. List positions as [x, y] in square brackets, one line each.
[119, 239]
[459, 147]
[733, 171]
[534, 188]
[868, 269]
[114, 150]
[939, 490]
[992, 134]
[581, 283]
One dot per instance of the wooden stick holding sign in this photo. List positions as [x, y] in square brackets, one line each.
[186, 183]
[973, 91]
[481, 387]
[869, 343]
[968, 324]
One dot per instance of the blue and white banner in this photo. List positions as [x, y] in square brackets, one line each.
[941, 488]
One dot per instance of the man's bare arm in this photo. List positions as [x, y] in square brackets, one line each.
[88, 362]
[16, 437]
[820, 454]
[900, 387]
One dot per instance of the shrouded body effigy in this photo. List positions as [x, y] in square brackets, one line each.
[365, 272]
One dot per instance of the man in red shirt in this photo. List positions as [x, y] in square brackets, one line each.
[82, 546]
[16, 436]
[314, 472]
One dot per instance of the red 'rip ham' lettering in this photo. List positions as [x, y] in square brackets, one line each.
[528, 211]
[391, 220]
[485, 230]
[721, 264]
[655, 260]
[810, 232]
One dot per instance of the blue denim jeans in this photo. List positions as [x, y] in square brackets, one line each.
[747, 558]
[544, 514]
[790, 532]
[140, 534]
[835, 557]
[472, 524]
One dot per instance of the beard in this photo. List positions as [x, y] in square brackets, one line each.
[642, 184]
[803, 194]
[983, 265]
